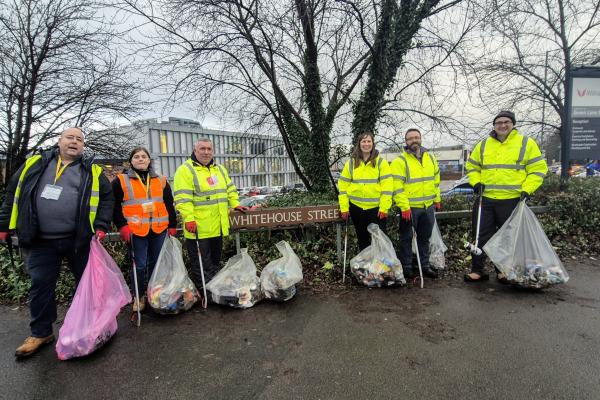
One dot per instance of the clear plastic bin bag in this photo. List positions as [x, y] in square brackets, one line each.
[521, 251]
[237, 284]
[377, 265]
[279, 278]
[170, 289]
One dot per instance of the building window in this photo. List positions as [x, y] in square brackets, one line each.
[258, 148]
[279, 150]
[234, 146]
[275, 165]
[163, 143]
[261, 165]
[234, 166]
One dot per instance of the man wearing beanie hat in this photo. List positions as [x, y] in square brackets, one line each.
[504, 168]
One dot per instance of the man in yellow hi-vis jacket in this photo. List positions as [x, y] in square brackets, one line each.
[204, 194]
[504, 168]
[416, 192]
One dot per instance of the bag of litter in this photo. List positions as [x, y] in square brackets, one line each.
[437, 248]
[279, 278]
[170, 290]
[521, 250]
[377, 265]
[237, 284]
[92, 317]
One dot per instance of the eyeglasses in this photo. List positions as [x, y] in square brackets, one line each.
[497, 123]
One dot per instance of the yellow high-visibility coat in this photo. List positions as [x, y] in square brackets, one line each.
[366, 186]
[204, 194]
[416, 183]
[507, 168]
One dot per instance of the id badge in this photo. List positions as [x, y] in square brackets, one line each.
[212, 180]
[51, 192]
[148, 207]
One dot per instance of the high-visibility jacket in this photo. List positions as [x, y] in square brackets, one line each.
[204, 194]
[144, 208]
[94, 199]
[416, 183]
[365, 185]
[507, 168]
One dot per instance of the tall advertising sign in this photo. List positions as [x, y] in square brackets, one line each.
[584, 114]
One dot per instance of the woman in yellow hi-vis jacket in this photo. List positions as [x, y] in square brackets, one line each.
[416, 192]
[365, 187]
[503, 168]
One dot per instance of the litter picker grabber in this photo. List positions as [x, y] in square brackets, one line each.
[345, 251]
[416, 246]
[204, 298]
[136, 317]
[474, 247]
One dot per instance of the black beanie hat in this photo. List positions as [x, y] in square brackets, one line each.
[507, 114]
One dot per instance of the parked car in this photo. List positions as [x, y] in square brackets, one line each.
[461, 188]
[244, 191]
[253, 191]
[276, 189]
[254, 202]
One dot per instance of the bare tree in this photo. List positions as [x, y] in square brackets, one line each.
[58, 67]
[526, 51]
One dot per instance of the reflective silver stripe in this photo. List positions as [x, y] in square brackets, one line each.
[142, 201]
[402, 178]
[194, 175]
[543, 175]
[385, 192]
[425, 198]
[481, 150]
[366, 181]
[128, 187]
[407, 169]
[351, 169]
[181, 201]
[504, 166]
[534, 160]
[503, 187]
[385, 176]
[210, 192]
[343, 178]
[474, 162]
[364, 199]
[95, 193]
[423, 179]
[398, 191]
[344, 192]
[183, 191]
[523, 148]
[209, 202]
[93, 208]
[137, 220]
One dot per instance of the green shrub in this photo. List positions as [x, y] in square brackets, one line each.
[570, 224]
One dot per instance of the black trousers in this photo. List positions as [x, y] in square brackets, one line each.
[361, 220]
[494, 214]
[43, 261]
[422, 219]
[210, 249]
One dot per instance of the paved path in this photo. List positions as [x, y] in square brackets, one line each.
[448, 341]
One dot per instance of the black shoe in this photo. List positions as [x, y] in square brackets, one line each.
[430, 273]
[408, 273]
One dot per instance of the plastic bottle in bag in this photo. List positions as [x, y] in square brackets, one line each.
[279, 277]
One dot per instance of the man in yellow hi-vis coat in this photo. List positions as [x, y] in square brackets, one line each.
[504, 168]
[416, 192]
[204, 194]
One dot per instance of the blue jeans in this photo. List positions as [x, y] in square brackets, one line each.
[43, 260]
[145, 250]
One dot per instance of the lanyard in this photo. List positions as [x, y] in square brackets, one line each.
[146, 184]
[59, 169]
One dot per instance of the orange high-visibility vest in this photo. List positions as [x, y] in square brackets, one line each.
[142, 209]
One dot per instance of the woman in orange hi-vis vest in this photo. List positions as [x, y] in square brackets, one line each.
[144, 213]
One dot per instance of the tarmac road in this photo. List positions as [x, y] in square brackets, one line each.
[448, 341]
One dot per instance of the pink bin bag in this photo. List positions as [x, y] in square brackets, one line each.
[92, 318]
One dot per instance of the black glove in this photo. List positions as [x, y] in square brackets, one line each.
[478, 188]
[525, 196]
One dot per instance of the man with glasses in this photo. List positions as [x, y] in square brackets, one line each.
[503, 168]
